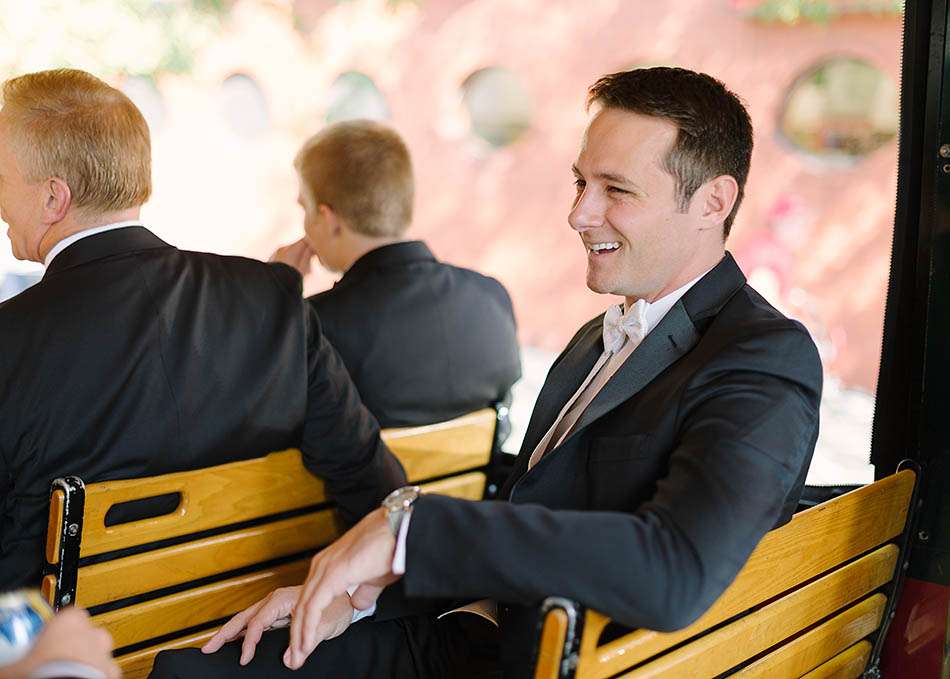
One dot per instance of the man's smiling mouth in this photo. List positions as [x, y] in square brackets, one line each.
[603, 248]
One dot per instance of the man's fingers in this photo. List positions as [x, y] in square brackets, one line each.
[330, 586]
[112, 671]
[300, 612]
[365, 596]
[299, 253]
[315, 597]
[255, 630]
[104, 640]
[279, 255]
[276, 607]
[231, 629]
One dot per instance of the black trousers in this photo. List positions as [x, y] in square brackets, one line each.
[459, 646]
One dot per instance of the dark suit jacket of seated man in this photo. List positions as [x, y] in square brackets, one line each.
[640, 495]
[423, 341]
[133, 358]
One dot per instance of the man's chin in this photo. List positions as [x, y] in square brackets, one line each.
[18, 253]
[600, 287]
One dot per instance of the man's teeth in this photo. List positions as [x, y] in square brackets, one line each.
[597, 247]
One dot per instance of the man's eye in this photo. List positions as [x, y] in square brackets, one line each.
[580, 183]
[616, 189]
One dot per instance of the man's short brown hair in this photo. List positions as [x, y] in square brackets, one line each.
[714, 130]
[362, 170]
[69, 124]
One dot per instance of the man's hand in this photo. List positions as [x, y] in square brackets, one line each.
[298, 255]
[69, 637]
[274, 611]
[361, 558]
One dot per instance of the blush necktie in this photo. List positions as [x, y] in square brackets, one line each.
[619, 329]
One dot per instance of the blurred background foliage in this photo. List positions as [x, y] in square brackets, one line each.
[135, 37]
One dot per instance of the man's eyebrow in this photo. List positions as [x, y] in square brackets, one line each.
[608, 177]
[615, 178]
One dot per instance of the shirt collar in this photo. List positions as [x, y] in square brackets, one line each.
[69, 240]
[656, 310]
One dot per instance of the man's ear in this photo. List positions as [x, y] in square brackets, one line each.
[333, 221]
[717, 197]
[57, 199]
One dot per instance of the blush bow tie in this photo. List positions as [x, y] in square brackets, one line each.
[618, 326]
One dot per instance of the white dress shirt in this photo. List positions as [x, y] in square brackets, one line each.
[69, 240]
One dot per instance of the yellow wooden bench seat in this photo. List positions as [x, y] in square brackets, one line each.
[154, 595]
[802, 606]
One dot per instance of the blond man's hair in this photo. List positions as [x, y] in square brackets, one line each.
[362, 171]
[69, 124]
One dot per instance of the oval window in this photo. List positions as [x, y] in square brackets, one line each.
[355, 95]
[243, 106]
[498, 104]
[840, 110]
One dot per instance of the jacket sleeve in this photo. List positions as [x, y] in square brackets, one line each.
[748, 424]
[341, 441]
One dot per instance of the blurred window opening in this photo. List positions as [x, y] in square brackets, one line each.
[840, 111]
[354, 95]
[243, 106]
[499, 105]
[146, 96]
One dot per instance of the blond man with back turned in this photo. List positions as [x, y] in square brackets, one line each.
[424, 341]
[132, 357]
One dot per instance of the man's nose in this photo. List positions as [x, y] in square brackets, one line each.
[587, 213]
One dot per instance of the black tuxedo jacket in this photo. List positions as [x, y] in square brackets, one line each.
[696, 447]
[423, 341]
[133, 358]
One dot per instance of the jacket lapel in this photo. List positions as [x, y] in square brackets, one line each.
[673, 337]
[562, 381]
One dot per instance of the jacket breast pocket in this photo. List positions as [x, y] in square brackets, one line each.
[621, 448]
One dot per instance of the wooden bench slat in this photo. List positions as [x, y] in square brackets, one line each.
[847, 665]
[168, 614]
[48, 588]
[553, 634]
[811, 543]
[113, 580]
[444, 448]
[724, 648]
[54, 526]
[469, 486]
[150, 571]
[268, 485]
[138, 665]
[813, 648]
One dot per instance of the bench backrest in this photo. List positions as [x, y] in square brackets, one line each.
[240, 530]
[803, 605]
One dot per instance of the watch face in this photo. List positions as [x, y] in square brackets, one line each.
[401, 497]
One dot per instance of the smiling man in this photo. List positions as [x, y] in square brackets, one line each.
[671, 434]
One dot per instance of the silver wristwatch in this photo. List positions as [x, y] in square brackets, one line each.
[397, 504]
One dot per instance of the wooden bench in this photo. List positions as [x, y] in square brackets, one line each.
[240, 530]
[804, 605]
